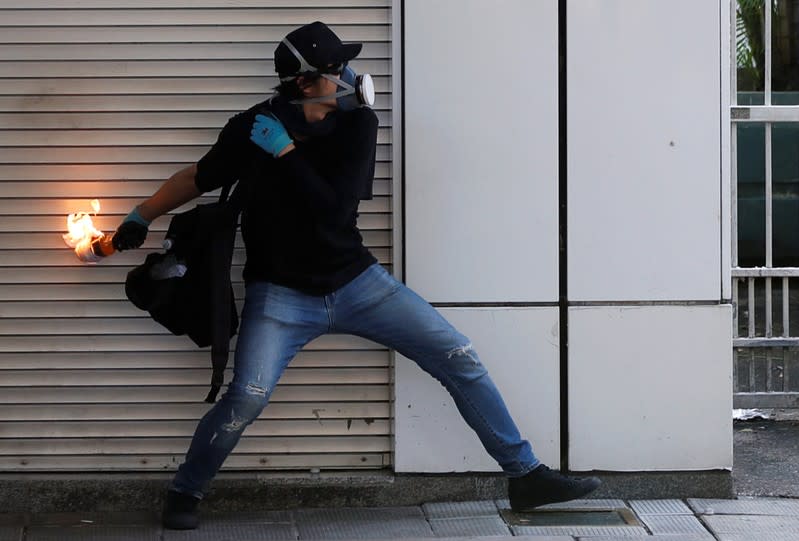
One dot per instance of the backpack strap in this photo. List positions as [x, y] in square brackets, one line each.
[223, 239]
[224, 193]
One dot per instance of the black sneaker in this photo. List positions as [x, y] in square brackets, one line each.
[542, 486]
[180, 511]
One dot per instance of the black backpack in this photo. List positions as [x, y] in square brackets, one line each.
[188, 288]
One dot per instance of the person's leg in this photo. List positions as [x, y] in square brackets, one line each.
[276, 323]
[378, 307]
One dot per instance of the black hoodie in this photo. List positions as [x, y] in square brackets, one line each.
[300, 221]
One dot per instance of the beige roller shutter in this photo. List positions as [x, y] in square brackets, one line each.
[105, 99]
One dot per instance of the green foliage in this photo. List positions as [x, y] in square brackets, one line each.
[749, 46]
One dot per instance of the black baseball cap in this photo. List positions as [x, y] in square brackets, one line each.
[317, 44]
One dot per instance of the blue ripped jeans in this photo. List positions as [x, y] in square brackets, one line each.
[278, 321]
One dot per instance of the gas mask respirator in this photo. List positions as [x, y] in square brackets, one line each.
[355, 90]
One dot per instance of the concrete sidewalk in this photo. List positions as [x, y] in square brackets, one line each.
[766, 458]
[746, 519]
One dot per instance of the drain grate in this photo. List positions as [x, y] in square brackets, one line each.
[568, 517]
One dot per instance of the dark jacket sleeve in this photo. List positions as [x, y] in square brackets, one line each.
[335, 193]
[222, 165]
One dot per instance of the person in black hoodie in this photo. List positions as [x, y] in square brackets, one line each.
[308, 157]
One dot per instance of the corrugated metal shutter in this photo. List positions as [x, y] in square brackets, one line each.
[105, 99]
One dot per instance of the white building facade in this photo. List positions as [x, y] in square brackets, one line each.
[637, 161]
[571, 217]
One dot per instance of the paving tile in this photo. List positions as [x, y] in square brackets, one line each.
[484, 508]
[94, 533]
[652, 538]
[583, 505]
[495, 538]
[270, 517]
[760, 537]
[745, 506]
[471, 526]
[110, 518]
[674, 524]
[581, 531]
[14, 519]
[752, 524]
[10, 533]
[362, 523]
[660, 507]
[535, 538]
[232, 531]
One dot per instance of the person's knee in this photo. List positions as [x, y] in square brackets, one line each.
[247, 403]
[463, 363]
[256, 392]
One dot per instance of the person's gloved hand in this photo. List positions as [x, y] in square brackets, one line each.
[131, 232]
[269, 134]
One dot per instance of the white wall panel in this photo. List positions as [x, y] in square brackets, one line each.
[644, 150]
[481, 158]
[519, 347]
[650, 388]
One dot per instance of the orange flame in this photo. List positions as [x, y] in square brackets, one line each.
[81, 233]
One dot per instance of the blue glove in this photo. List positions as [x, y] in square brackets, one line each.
[134, 216]
[131, 233]
[269, 134]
